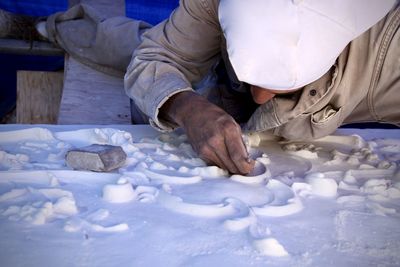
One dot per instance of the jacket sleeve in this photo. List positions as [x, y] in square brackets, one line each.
[173, 56]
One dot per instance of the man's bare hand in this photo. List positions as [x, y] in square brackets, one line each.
[213, 133]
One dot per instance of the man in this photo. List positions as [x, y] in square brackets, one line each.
[294, 58]
[298, 69]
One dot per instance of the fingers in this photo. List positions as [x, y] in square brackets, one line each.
[237, 152]
[211, 158]
[214, 153]
[227, 157]
[227, 151]
[224, 156]
[242, 162]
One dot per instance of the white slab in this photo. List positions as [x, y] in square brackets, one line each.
[164, 207]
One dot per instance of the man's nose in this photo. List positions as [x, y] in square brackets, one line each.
[261, 95]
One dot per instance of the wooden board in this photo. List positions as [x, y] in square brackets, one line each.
[89, 96]
[38, 96]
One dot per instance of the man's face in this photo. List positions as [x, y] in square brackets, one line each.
[263, 95]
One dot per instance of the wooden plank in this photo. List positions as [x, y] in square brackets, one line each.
[38, 96]
[89, 96]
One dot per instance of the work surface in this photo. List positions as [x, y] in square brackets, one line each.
[334, 202]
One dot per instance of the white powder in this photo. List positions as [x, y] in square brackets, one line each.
[270, 247]
[166, 207]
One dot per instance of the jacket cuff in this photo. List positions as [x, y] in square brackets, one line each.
[155, 121]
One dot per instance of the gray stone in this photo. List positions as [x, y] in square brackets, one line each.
[98, 158]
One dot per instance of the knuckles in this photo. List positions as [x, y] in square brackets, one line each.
[215, 141]
[228, 124]
[237, 158]
[204, 151]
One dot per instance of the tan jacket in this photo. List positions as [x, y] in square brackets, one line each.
[364, 84]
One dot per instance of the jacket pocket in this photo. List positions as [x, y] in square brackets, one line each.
[326, 121]
[309, 126]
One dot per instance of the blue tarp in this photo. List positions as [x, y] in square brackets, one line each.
[33, 7]
[152, 11]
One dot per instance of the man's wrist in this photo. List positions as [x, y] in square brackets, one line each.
[175, 108]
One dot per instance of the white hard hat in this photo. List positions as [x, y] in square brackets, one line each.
[287, 44]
